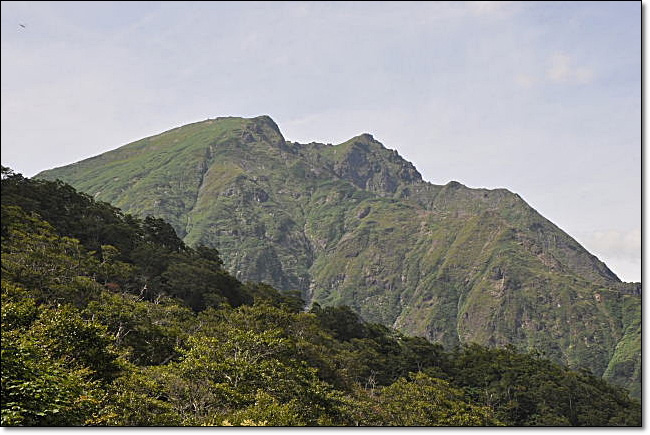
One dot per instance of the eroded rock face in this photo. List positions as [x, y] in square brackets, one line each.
[355, 224]
[368, 165]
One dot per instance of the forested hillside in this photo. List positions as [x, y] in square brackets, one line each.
[355, 224]
[110, 319]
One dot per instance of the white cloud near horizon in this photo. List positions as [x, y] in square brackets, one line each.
[616, 247]
[615, 243]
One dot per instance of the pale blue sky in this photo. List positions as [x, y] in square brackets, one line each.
[542, 98]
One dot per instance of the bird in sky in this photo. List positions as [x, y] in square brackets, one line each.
[22, 25]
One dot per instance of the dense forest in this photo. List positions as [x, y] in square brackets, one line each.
[108, 319]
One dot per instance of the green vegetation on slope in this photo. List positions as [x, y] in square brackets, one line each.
[355, 224]
[160, 335]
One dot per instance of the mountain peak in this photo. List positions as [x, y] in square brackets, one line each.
[368, 164]
[367, 137]
[266, 120]
[354, 223]
[262, 129]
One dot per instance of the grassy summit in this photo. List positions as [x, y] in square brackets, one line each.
[355, 224]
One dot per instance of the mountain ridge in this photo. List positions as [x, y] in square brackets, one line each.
[355, 224]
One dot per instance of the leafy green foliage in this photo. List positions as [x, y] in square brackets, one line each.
[143, 257]
[353, 224]
[137, 399]
[162, 335]
[147, 333]
[40, 390]
[34, 256]
[525, 390]
[52, 363]
[425, 401]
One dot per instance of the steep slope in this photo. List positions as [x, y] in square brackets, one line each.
[112, 320]
[355, 224]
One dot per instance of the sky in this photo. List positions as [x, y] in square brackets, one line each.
[541, 98]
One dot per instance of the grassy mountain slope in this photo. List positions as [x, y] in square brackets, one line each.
[355, 224]
[111, 320]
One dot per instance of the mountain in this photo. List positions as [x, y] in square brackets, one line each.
[111, 320]
[354, 224]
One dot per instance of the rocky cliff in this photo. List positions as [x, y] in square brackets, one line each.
[355, 224]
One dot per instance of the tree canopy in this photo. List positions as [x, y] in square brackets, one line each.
[112, 320]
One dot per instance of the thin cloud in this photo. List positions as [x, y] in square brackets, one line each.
[615, 243]
[525, 80]
[563, 69]
[489, 7]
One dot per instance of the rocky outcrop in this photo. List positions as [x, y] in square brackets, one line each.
[355, 224]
